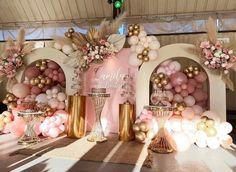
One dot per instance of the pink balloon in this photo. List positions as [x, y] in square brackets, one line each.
[202, 103]
[178, 89]
[53, 103]
[165, 63]
[48, 71]
[178, 78]
[61, 105]
[168, 86]
[55, 72]
[178, 98]
[36, 128]
[192, 81]
[61, 77]
[161, 70]
[32, 72]
[50, 75]
[197, 109]
[43, 128]
[63, 114]
[18, 127]
[55, 78]
[62, 128]
[170, 95]
[189, 101]
[35, 90]
[21, 90]
[58, 121]
[54, 132]
[53, 65]
[199, 95]
[199, 85]
[184, 93]
[52, 125]
[190, 88]
[184, 86]
[188, 113]
[201, 77]
[177, 65]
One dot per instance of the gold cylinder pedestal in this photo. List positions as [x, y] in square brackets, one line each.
[126, 121]
[76, 120]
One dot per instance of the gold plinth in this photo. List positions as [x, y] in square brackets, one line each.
[76, 120]
[126, 121]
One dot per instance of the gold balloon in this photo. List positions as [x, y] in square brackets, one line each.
[32, 82]
[190, 68]
[44, 62]
[210, 123]
[42, 68]
[164, 82]
[157, 80]
[136, 27]
[201, 126]
[43, 81]
[176, 112]
[196, 72]
[36, 80]
[146, 58]
[210, 131]
[145, 52]
[186, 70]
[159, 85]
[40, 85]
[150, 134]
[68, 35]
[143, 126]
[38, 64]
[71, 30]
[5, 101]
[195, 68]
[161, 75]
[140, 136]
[135, 32]
[40, 77]
[130, 28]
[140, 56]
[130, 33]
[136, 128]
[10, 98]
[12, 105]
[48, 81]
[190, 75]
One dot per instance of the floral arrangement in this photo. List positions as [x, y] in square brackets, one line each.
[12, 59]
[216, 56]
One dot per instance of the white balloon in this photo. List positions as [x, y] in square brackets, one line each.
[48, 92]
[149, 39]
[143, 39]
[133, 40]
[139, 48]
[191, 137]
[201, 144]
[142, 33]
[42, 98]
[213, 142]
[197, 109]
[57, 46]
[152, 54]
[145, 44]
[55, 90]
[133, 60]
[182, 141]
[67, 49]
[200, 136]
[155, 45]
[175, 125]
[226, 127]
[133, 48]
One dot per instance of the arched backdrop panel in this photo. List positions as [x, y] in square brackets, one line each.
[56, 56]
[217, 91]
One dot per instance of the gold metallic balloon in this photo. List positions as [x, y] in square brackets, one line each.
[143, 126]
[157, 80]
[48, 81]
[140, 136]
[136, 128]
[38, 64]
[130, 28]
[140, 56]
[40, 77]
[161, 75]
[130, 33]
[210, 131]
[71, 30]
[204, 118]
[40, 85]
[36, 80]
[210, 123]
[43, 81]
[190, 75]
[164, 82]
[190, 68]
[10, 98]
[195, 68]
[136, 27]
[176, 112]
[201, 126]
[145, 58]
[145, 52]
[135, 32]
[44, 62]
[68, 35]
[159, 85]
[196, 72]
[32, 82]
[150, 134]
[186, 71]
[42, 67]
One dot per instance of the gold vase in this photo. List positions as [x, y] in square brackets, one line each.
[76, 120]
[126, 121]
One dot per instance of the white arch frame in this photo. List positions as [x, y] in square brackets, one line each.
[55, 55]
[217, 91]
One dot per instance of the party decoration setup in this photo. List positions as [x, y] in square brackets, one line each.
[163, 100]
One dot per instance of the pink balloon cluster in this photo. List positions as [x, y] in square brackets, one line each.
[169, 67]
[55, 72]
[56, 99]
[52, 126]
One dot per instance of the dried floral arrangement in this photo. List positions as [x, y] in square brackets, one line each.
[216, 56]
[12, 59]
[96, 45]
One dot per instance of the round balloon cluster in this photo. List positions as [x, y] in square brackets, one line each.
[143, 47]
[179, 108]
[52, 126]
[169, 67]
[145, 127]
[160, 79]
[5, 118]
[192, 71]
[207, 125]
[10, 100]
[56, 99]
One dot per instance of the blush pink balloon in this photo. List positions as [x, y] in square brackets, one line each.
[168, 86]
[184, 86]
[55, 78]
[166, 63]
[199, 85]
[199, 95]
[190, 88]
[188, 113]
[61, 77]
[178, 89]
[18, 127]
[170, 95]
[197, 109]
[36, 128]
[21, 90]
[53, 65]
[61, 105]
[35, 90]
[50, 75]
[192, 81]
[62, 128]
[48, 71]
[184, 93]
[178, 98]
[189, 101]
[44, 128]
[161, 70]
[63, 114]
[202, 103]
[55, 72]
[54, 132]
[32, 72]
[201, 77]
[178, 78]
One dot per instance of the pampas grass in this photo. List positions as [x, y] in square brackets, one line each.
[211, 30]
[116, 23]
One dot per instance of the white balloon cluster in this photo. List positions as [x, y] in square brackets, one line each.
[67, 49]
[56, 99]
[143, 47]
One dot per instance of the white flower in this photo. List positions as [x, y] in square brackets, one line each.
[212, 62]
[213, 48]
[96, 51]
[97, 56]
[87, 45]
[206, 62]
[15, 55]
[227, 57]
[223, 65]
[230, 52]
[226, 71]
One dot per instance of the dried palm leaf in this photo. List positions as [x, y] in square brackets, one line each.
[28, 48]
[21, 37]
[103, 29]
[116, 23]
[117, 40]
[62, 40]
[80, 37]
[92, 34]
[212, 30]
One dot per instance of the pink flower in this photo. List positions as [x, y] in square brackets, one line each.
[232, 59]
[102, 42]
[208, 54]
[205, 44]
[218, 45]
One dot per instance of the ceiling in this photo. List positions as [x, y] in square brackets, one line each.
[16, 12]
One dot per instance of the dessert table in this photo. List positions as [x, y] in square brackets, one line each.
[54, 155]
